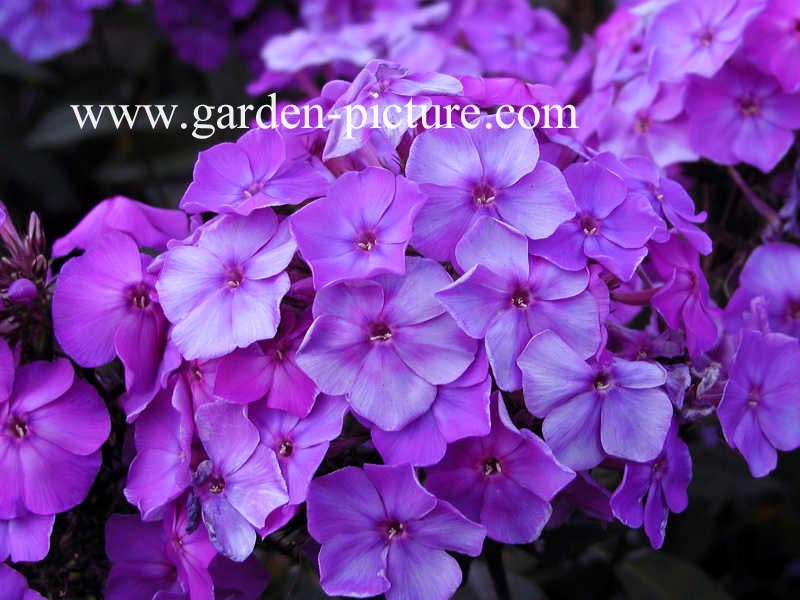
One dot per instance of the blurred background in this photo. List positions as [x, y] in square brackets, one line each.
[739, 538]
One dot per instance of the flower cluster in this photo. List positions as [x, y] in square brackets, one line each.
[407, 341]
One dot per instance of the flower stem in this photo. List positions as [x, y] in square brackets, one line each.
[761, 207]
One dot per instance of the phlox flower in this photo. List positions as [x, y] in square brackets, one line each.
[612, 406]
[648, 492]
[382, 533]
[470, 173]
[223, 291]
[386, 343]
[360, 229]
[772, 42]
[14, 585]
[760, 408]
[507, 296]
[491, 478]
[26, 537]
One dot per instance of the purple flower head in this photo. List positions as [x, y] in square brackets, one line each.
[224, 290]
[300, 444]
[683, 301]
[772, 273]
[648, 492]
[461, 409]
[158, 560]
[238, 581]
[382, 533]
[614, 407]
[470, 173]
[507, 296]
[612, 226]
[582, 493]
[742, 115]
[249, 174]
[380, 85]
[239, 484]
[386, 343]
[51, 430]
[25, 538]
[621, 50]
[148, 226]
[760, 408]
[772, 42]
[490, 479]
[268, 370]
[697, 37]
[14, 585]
[105, 305]
[161, 470]
[303, 48]
[360, 229]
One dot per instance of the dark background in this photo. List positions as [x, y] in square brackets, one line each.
[739, 538]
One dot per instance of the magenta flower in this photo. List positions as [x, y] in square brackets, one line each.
[386, 343]
[697, 37]
[149, 227]
[614, 407]
[250, 174]
[104, 305]
[772, 43]
[360, 229]
[760, 408]
[268, 370]
[14, 585]
[460, 409]
[505, 481]
[648, 492]
[239, 484]
[51, 430]
[612, 225]
[26, 538]
[382, 533]
[159, 559]
[224, 290]
[507, 296]
[468, 174]
[742, 115]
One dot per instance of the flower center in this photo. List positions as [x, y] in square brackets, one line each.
[216, 486]
[521, 298]
[754, 396]
[379, 332]
[366, 241]
[286, 448]
[140, 296]
[794, 309]
[588, 224]
[641, 124]
[602, 382]
[394, 528]
[18, 428]
[196, 372]
[254, 188]
[491, 466]
[40, 6]
[797, 27]
[705, 37]
[234, 277]
[659, 467]
[749, 106]
[484, 194]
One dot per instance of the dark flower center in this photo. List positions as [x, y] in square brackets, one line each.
[286, 448]
[749, 106]
[659, 467]
[216, 485]
[754, 396]
[18, 428]
[394, 528]
[366, 241]
[641, 124]
[140, 296]
[794, 309]
[602, 382]
[254, 188]
[196, 372]
[234, 277]
[797, 26]
[40, 6]
[521, 298]
[588, 224]
[379, 332]
[484, 194]
[491, 466]
[705, 37]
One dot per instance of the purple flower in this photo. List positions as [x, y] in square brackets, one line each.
[386, 343]
[760, 408]
[505, 481]
[360, 229]
[772, 273]
[742, 115]
[268, 370]
[14, 585]
[772, 42]
[612, 225]
[104, 305]
[697, 37]
[380, 85]
[51, 430]
[470, 173]
[238, 581]
[614, 406]
[663, 482]
[381, 532]
[150, 227]
[507, 296]
[25, 538]
[250, 174]
[460, 409]
[224, 290]
[239, 484]
[159, 559]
